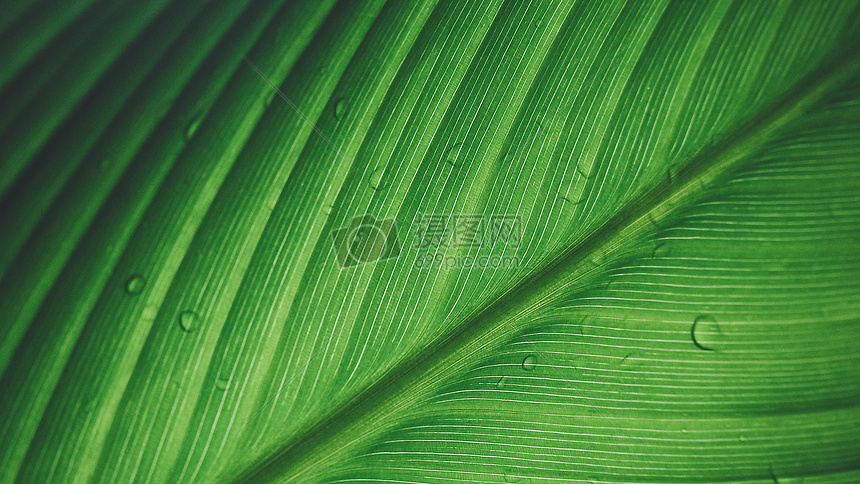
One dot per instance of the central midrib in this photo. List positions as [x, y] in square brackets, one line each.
[415, 378]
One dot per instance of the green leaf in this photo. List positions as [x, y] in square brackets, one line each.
[421, 241]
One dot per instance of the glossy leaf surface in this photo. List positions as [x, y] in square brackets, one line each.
[430, 242]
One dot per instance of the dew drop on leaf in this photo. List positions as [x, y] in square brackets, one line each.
[529, 362]
[585, 172]
[375, 179]
[270, 97]
[501, 383]
[224, 377]
[452, 155]
[661, 250]
[339, 109]
[192, 127]
[510, 476]
[134, 284]
[188, 321]
[705, 332]
[326, 209]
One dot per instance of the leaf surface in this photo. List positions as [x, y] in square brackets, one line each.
[675, 298]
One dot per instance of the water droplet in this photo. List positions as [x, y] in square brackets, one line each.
[375, 179]
[188, 321]
[134, 284]
[339, 109]
[222, 383]
[452, 155]
[742, 438]
[510, 475]
[192, 126]
[501, 383]
[585, 172]
[529, 362]
[705, 333]
[661, 250]
[270, 97]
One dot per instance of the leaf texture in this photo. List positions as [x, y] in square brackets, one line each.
[681, 299]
